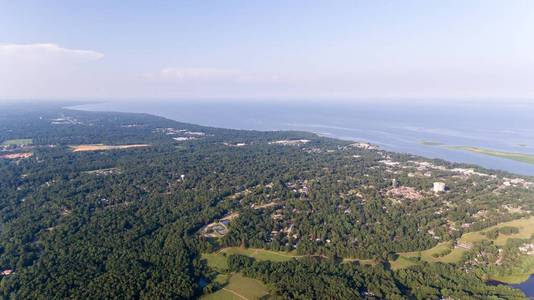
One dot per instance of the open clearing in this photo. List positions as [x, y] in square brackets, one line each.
[218, 228]
[218, 260]
[102, 147]
[259, 254]
[515, 278]
[525, 226]
[427, 255]
[16, 155]
[402, 262]
[238, 287]
[17, 142]
[365, 262]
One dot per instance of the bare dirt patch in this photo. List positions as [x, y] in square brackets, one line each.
[404, 192]
[17, 155]
[102, 147]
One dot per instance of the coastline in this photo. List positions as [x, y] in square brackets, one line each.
[509, 280]
[393, 128]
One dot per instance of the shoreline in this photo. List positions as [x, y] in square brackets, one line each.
[273, 118]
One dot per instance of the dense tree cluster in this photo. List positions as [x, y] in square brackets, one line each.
[127, 223]
[488, 258]
[316, 278]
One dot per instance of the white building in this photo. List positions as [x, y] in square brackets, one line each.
[439, 187]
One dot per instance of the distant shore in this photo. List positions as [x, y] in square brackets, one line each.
[517, 156]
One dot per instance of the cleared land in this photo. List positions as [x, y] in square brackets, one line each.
[238, 287]
[427, 255]
[218, 260]
[259, 254]
[515, 278]
[526, 229]
[366, 262]
[401, 263]
[525, 226]
[17, 142]
[102, 147]
[219, 228]
[17, 155]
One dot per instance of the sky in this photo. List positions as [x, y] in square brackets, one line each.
[266, 49]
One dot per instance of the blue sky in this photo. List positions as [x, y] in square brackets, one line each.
[261, 49]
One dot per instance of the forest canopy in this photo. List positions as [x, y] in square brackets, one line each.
[116, 221]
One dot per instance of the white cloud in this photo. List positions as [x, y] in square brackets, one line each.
[47, 70]
[43, 51]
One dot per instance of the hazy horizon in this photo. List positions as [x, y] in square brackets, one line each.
[276, 50]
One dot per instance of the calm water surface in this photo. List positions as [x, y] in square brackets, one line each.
[527, 287]
[396, 127]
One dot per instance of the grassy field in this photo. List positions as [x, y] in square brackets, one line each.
[514, 278]
[216, 261]
[522, 157]
[427, 255]
[517, 156]
[366, 262]
[431, 143]
[525, 226]
[406, 259]
[259, 254]
[402, 262]
[17, 142]
[238, 287]
[526, 230]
